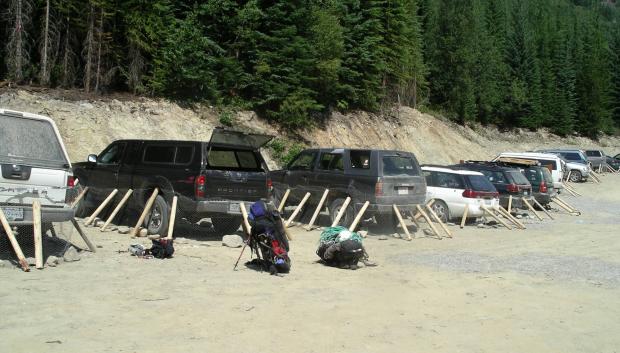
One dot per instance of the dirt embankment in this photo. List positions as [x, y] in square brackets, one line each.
[88, 126]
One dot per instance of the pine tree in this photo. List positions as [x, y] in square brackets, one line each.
[18, 44]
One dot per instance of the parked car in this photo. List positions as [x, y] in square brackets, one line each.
[613, 162]
[383, 177]
[554, 163]
[507, 181]
[540, 177]
[595, 157]
[452, 190]
[35, 166]
[576, 163]
[210, 178]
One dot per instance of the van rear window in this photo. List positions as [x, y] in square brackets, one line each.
[399, 165]
[30, 141]
[222, 158]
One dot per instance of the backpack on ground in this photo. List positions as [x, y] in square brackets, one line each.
[268, 238]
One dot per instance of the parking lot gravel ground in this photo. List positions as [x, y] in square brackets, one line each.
[554, 287]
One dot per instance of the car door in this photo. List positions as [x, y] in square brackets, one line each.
[329, 174]
[104, 177]
[452, 187]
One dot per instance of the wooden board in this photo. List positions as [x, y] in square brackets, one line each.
[38, 241]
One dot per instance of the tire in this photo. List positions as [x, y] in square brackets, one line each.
[348, 215]
[157, 221]
[386, 223]
[575, 176]
[441, 210]
[226, 224]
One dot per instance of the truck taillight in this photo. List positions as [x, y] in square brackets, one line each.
[200, 186]
[70, 181]
[269, 184]
[543, 187]
[379, 188]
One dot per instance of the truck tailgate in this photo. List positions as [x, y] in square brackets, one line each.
[28, 184]
[236, 185]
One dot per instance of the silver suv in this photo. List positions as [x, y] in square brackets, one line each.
[576, 163]
[35, 166]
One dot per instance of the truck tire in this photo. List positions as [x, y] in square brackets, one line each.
[575, 176]
[347, 217]
[226, 224]
[157, 221]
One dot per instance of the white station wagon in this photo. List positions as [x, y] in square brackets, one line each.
[453, 189]
[35, 166]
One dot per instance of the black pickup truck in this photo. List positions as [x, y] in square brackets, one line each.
[383, 177]
[209, 178]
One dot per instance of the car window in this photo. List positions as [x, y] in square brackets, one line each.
[593, 153]
[360, 159]
[331, 161]
[30, 141]
[518, 177]
[449, 180]
[399, 165]
[429, 177]
[224, 158]
[112, 155]
[547, 176]
[184, 154]
[571, 156]
[495, 177]
[304, 161]
[480, 183]
[161, 154]
[549, 164]
[532, 175]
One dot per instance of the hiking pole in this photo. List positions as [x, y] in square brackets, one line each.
[239, 258]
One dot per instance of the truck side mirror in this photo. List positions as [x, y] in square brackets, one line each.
[92, 158]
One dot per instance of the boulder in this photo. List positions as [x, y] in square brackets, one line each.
[232, 241]
[124, 230]
[52, 261]
[71, 255]
[143, 232]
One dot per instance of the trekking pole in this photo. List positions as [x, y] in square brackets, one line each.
[239, 258]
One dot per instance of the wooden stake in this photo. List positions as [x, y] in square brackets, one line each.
[79, 197]
[246, 225]
[297, 209]
[567, 204]
[568, 176]
[509, 204]
[562, 206]
[428, 220]
[464, 215]
[14, 243]
[81, 233]
[147, 209]
[529, 206]
[319, 207]
[283, 201]
[600, 167]
[101, 207]
[173, 216]
[118, 208]
[38, 241]
[429, 204]
[542, 208]
[487, 210]
[572, 189]
[341, 212]
[402, 222]
[443, 226]
[359, 216]
[507, 215]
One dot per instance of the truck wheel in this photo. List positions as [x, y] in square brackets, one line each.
[157, 221]
[575, 176]
[226, 224]
[347, 217]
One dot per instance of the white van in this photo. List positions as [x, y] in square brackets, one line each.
[453, 189]
[35, 166]
[554, 163]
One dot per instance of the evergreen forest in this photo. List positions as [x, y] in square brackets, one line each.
[514, 63]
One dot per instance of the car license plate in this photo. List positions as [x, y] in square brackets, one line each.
[234, 208]
[525, 193]
[13, 213]
[403, 190]
[488, 202]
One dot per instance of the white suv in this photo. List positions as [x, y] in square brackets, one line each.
[453, 189]
[35, 166]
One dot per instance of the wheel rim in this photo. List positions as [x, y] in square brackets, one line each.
[440, 210]
[155, 218]
[575, 176]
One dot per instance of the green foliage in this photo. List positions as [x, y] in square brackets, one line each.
[226, 118]
[283, 151]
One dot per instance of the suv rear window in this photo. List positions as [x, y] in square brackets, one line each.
[533, 175]
[399, 165]
[480, 183]
[518, 178]
[30, 141]
[233, 159]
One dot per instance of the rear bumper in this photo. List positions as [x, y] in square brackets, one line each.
[48, 214]
[543, 199]
[517, 201]
[222, 206]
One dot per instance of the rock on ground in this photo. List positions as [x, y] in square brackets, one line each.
[52, 261]
[124, 230]
[232, 241]
[71, 255]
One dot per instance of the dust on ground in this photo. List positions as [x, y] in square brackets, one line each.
[551, 288]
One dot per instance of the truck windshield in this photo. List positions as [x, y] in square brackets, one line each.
[399, 165]
[30, 142]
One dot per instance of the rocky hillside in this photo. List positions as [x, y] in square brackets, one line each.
[88, 125]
